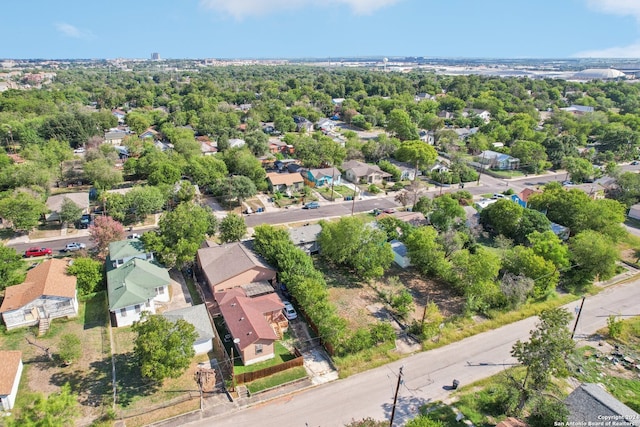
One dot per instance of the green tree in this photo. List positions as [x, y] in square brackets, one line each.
[578, 168]
[446, 212]
[594, 254]
[400, 125]
[102, 174]
[426, 253]
[69, 211]
[163, 348]
[417, 152]
[544, 355]
[59, 409]
[350, 242]
[144, 200]
[241, 188]
[10, 267]
[180, 234]
[502, 217]
[22, 210]
[533, 157]
[232, 228]
[550, 247]
[70, 348]
[88, 273]
[523, 260]
[166, 172]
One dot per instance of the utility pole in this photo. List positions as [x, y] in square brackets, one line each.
[577, 317]
[395, 397]
[355, 194]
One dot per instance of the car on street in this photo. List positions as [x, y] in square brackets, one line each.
[74, 246]
[133, 236]
[289, 311]
[311, 205]
[79, 150]
[31, 252]
[567, 183]
[635, 163]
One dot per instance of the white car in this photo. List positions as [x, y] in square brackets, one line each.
[289, 311]
[79, 150]
[74, 246]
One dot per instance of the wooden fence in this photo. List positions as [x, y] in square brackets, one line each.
[262, 373]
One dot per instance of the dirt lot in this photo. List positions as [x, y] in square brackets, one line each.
[357, 301]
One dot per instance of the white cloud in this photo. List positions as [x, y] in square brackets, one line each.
[242, 8]
[631, 51]
[617, 7]
[73, 31]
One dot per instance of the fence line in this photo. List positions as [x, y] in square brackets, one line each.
[247, 377]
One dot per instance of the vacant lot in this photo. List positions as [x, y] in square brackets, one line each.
[90, 376]
[357, 301]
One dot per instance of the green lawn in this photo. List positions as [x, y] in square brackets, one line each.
[281, 355]
[277, 379]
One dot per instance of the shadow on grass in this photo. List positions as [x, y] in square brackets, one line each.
[93, 386]
[129, 381]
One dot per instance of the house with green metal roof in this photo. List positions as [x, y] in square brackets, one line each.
[123, 250]
[133, 287]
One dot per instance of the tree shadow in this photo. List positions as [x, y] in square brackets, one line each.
[407, 407]
[129, 381]
[93, 386]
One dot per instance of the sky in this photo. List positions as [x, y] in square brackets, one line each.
[225, 29]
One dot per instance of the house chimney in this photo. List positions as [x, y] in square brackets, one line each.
[241, 319]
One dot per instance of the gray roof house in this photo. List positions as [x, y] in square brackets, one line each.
[494, 160]
[357, 172]
[198, 316]
[591, 404]
[54, 204]
[306, 237]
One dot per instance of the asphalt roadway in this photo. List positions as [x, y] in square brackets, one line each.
[427, 376]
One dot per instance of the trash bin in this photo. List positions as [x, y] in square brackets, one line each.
[455, 385]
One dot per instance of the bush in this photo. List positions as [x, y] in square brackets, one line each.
[615, 326]
[402, 303]
[373, 189]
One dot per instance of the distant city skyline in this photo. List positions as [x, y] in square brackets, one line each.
[71, 29]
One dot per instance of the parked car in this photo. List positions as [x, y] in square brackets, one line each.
[79, 150]
[85, 221]
[289, 311]
[31, 252]
[389, 210]
[284, 291]
[311, 205]
[635, 163]
[133, 236]
[567, 183]
[74, 246]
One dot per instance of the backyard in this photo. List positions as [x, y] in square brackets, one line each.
[90, 376]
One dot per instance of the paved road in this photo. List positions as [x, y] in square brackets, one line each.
[370, 394]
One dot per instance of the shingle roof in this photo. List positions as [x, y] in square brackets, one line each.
[320, 173]
[54, 203]
[49, 278]
[197, 316]
[245, 317]
[591, 402]
[8, 369]
[126, 248]
[284, 178]
[221, 263]
[363, 169]
[134, 282]
[305, 234]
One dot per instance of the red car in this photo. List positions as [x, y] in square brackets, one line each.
[31, 252]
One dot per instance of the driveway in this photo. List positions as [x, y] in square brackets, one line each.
[180, 297]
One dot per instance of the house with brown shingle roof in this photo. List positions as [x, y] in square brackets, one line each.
[232, 265]
[10, 372]
[256, 323]
[47, 293]
[284, 182]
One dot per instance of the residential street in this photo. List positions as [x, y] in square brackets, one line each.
[426, 375]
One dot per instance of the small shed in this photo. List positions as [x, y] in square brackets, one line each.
[196, 315]
[400, 254]
[634, 211]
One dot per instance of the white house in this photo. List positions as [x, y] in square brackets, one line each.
[134, 283]
[400, 254]
[10, 372]
[54, 204]
[47, 293]
[198, 316]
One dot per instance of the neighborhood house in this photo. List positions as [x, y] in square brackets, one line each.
[10, 372]
[358, 172]
[134, 284]
[47, 293]
[255, 323]
[198, 316]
